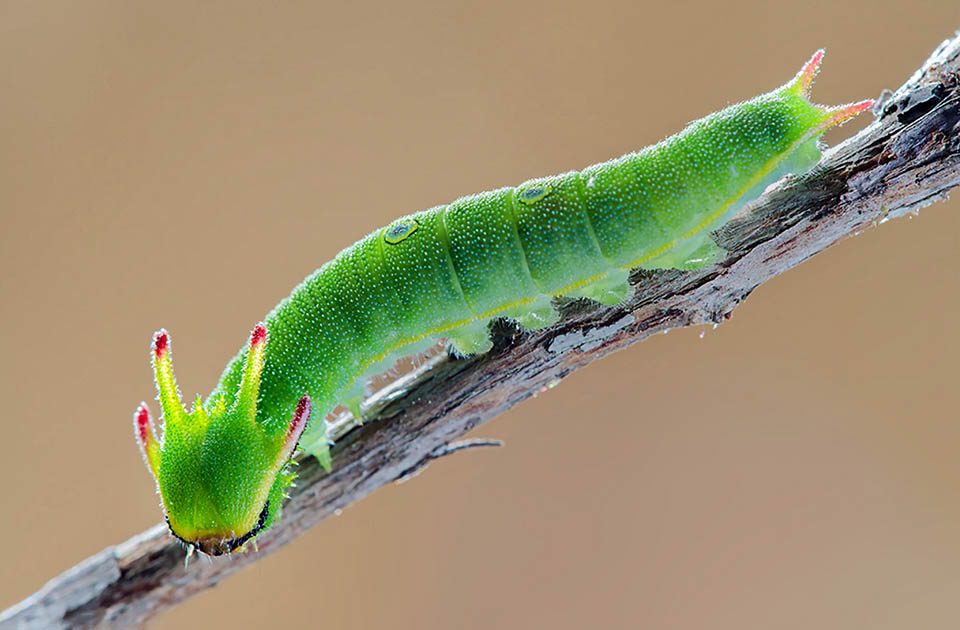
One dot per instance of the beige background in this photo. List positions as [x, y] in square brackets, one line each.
[185, 164]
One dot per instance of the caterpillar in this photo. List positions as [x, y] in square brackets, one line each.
[221, 468]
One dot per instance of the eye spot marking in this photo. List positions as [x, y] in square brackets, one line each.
[534, 193]
[400, 230]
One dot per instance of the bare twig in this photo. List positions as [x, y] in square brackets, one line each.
[908, 158]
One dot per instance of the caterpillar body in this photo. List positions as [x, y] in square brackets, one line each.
[221, 468]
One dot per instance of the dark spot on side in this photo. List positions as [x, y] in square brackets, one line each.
[534, 193]
[400, 230]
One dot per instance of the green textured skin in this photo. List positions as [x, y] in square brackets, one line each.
[446, 271]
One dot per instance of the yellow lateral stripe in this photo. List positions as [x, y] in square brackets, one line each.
[766, 170]
[484, 315]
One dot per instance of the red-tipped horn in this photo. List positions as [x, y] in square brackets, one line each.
[147, 440]
[301, 416]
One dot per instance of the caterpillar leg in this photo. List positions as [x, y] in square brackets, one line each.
[474, 338]
[693, 253]
[352, 398]
[707, 253]
[535, 315]
[315, 442]
[612, 289]
[387, 362]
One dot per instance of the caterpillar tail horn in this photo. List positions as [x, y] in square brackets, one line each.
[802, 85]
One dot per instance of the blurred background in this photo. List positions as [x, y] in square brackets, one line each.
[185, 164]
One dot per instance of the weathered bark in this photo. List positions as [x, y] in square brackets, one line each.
[908, 158]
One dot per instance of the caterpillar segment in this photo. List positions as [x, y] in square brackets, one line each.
[221, 469]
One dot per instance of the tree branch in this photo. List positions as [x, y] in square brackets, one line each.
[906, 159]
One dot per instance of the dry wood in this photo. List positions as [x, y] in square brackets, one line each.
[907, 158]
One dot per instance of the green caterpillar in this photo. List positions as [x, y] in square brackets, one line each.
[221, 469]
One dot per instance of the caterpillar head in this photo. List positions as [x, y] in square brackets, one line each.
[220, 473]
